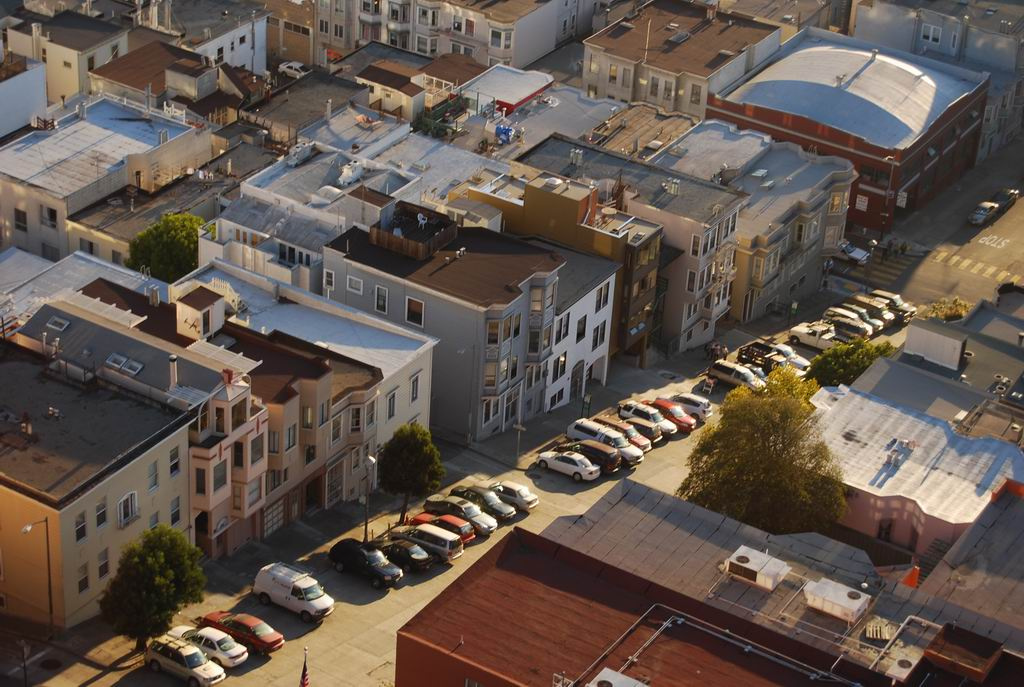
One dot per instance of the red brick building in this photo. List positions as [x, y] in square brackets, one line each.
[909, 124]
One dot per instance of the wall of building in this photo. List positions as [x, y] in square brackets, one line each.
[418, 664]
[290, 45]
[865, 512]
[534, 35]
[244, 46]
[23, 97]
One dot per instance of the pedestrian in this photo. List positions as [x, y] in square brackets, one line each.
[904, 247]
[885, 253]
[725, 352]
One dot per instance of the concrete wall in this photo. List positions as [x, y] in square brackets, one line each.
[67, 70]
[23, 97]
[244, 46]
[534, 35]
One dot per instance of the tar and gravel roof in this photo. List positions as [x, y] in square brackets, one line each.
[580, 274]
[887, 97]
[80, 151]
[75, 30]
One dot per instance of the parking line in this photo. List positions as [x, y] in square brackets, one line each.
[953, 260]
[1016, 279]
[991, 269]
[965, 263]
[940, 256]
[977, 267]
[1001, 277]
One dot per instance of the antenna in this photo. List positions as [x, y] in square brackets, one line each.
[647, 42]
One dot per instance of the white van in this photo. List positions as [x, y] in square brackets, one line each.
[444, 545]
[588, 429]
[293, 588]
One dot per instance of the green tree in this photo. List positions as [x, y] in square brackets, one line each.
[410, 464]
[157, 576]
[764, 463]
[843, 363]
[948, 309]
[169, 248]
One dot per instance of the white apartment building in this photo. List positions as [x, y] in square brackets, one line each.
[22, 90]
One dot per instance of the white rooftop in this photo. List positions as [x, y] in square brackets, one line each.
[18, 266]
[888, 99]
[357, 130]
[508, 84]
[437, 166]
[79, 151]
[948, 475]
[334, 326]
[711, 146]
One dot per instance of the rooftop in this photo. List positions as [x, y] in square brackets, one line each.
[147, 66]
[887, 97]
[18, 266]
[394, 75]
[640, 129]
[277, 222]
[922, 390]
[678, 37]
[453, 68]
[790, 12]
[580, 274]
[989, 16]
[305, 101]
[491, 272]
[98, 429]
[949, 476]
[696, 199]
[356, 129]
[81, 150]
[505, 11]
[711, 146]
[339, 328]
[508, 84]
[362, 57]
[75, 31]
[200, 21]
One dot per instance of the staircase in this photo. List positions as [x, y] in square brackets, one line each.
[932, 555]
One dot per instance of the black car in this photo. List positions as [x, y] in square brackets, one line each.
[406, 555]
[487, 500]
[601, 455]
[350, 555]
[1005, 198]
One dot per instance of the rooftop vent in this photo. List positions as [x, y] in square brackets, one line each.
[836, 600]
[759, 173]
[680, 37]
[756, 568]
[626, 25]
[58, 323]
[900, 669]
[768, 184]
[299, 153]
[115, 361]
[611, 678]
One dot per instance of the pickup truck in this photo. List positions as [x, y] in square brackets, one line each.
[818, 335]
[760, 354]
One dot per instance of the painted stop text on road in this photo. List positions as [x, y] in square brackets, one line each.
[994, 241]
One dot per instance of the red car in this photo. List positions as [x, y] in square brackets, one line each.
[453, 524]
[247, 630]
[675, 414]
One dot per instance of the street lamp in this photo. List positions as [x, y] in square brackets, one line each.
[872, 244]
[470, 396]
[366, 497]
[519, 436]
[45, 522]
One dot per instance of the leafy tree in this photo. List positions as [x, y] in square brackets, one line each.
[169, 248]
[410, 464]
[157, 576]
[948, 309]
[843, 363]
[764, 463]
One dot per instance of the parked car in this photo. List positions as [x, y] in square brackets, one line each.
[649, 430]
[896, 304]
[1005, 198]
[515, 494]
[442, 544]
[449, 523]
[734, 374]
[248, 630]
[487, 500]
[588, 429]
[183, 659]
[819, 335]
[294, 589]
[984, 213]
[294, 69]
[569, 463]
[628, 409]
[674, 413]
[877, 309]
[876, 325]
[406, 555]
[794, 359]
[601, 455]
[353, 556]
[761, 354]
[218, 645]
[850, 253]
[694, 405]
[847, 322]
[483, 523]
[627, 430]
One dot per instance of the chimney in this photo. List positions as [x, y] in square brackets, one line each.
[228, 375]
[154, 296]
[172, 361]
[712, 9]
[167, 15]
[327, 114]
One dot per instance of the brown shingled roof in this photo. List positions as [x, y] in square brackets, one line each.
[148, 65]
[200, 298]
[393, 75]
[454, 68]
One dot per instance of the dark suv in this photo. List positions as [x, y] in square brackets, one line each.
[406, 555]
[487, 500]
[350, 555]
[602, 455]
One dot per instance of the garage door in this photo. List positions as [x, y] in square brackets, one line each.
[335, 475]
[273, 517]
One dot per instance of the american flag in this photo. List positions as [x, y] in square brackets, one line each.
[304, 680]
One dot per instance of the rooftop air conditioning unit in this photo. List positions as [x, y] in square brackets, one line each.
[900, 669]
[610, 678]
[299, 153]
[756, 568]
[837, 600]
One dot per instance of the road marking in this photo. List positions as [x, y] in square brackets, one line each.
[1015, 279]
[1001, 277]
[965, 263]
[977, 267]
[940, 256]
[991, 269]
[32, 659]
[953, 260]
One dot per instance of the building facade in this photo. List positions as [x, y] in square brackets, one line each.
[22, 89]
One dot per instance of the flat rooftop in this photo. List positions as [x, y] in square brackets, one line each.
[889, 99]
[147, 66]
[80, 151]
[356, 129]
[508, 84]
[96, 427]
[277, 222]
[490, 273]
[782, 11]
[711, 146]
[642, 126]
[74, 30]
[192, 20]
[18, 266]
[332, 325]
[693, 44]
[304, 101]
[989, 15]
[949, 476]
[503, 11]
[580, 274]
[696, 199]
[362, 57]
[434, 167]
[915, 387]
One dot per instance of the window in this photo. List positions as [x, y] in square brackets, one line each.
[90, 62]
[371, 413]
[220, 475]
[470, 27]
[289, 440]
[175, 510]
[930, 33]
[101, 513]
[355, 285]
[414, 389]
[80, 526]
[220, 53]
[654, 86]
[336, 429]
[613, 73]
[200, 480]
[102, 564]
[339, 31]
[549, 296]
[513, 367]
[325, 26]
[154, 519]
[239, 412]
[581, 328]
[218, 420]
[501, 39]
[835, 203]
[254, 492]
[328, 280]
[391, 402]
[47, 217]
[307, 417]
[256, 449]
[559, 368]
[273, 441]
[83, 577]
[457, 24]
[493, 332]
[533, 342]
[238, 455]
[691, 281]
[175, 462]
[154, 476]
[310, 453]
[599, 336]
[127, 509]
[602, 297]
[355, 419]
[67, 65]
[885, 529]
[241, 39]
[414, 311]
[490, 409]
[20, 220]
[695, 94]
[545, 337]
[503, 370]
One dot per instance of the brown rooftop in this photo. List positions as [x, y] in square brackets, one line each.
[280, 369]
[393, 75]
[500, 10]
[200, 298]
[147, 66]
[368, 195]
[490, 272]
[708, 43]
[454, 68]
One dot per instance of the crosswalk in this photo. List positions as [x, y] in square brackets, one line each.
[975, 267]
[882, 273]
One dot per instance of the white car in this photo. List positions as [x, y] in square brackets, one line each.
[848, 251]
[694, 405]
[218, 646]
[294, 69]
[515, 494]
[819, 335]
[791, 356]
[628, 409]
[569, 463]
